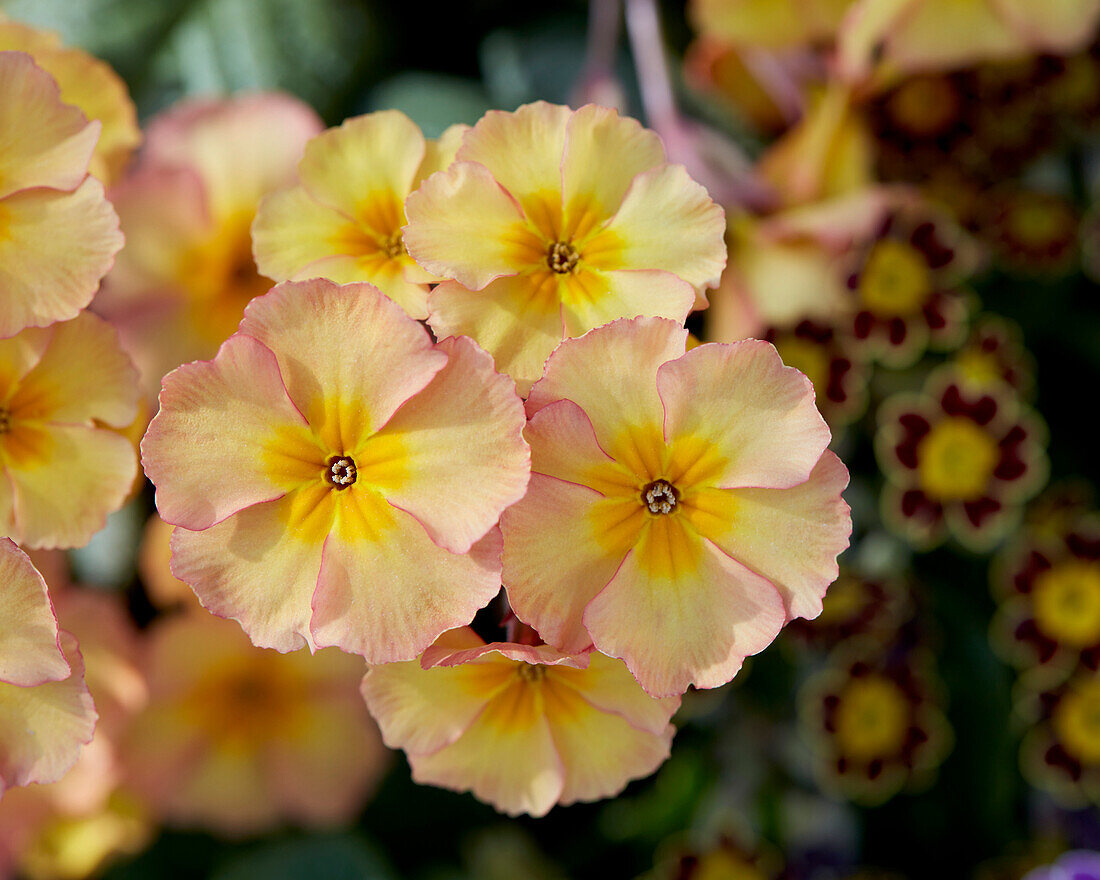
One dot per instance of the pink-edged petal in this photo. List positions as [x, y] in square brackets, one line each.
[627, 294]
[440, 153]
[608, 685]
[227, 436]
[609, 372]
[30, 646]
[789, 536]
[345, 380]
[463, 225]
[603, 153]
[293, 230]
[465, 458]
[83, 375]
[54, 249]
[46, 142]
[387, 591]
[540, 655]
[600, 751]
[423, 710]
[43, 727]
[71, 479]
[517, 321]
[347, 166]
[523, 150]
[668, 222]
[260, 567]
[756, 415]
[506, 757]
[694, 624]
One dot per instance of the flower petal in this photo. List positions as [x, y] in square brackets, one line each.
[462, 444]
[1058, 27]
[260, 567]
[227, 436]
[30, 647]
[523, 150]
[691, 622]
[387, 591]
[82, 375]
[464, 225]
[789, 536]
[757, 415]
[668, 222]
[345, 381]
[516, 321]
[506, 757]
[627, 294]
[67, 481]
[43, 727]
[600, 751]
[46, 142]
[608, 685]
[54, 249]
[440, 153]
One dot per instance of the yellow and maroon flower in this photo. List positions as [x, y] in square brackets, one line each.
[551, 222]
[682, 507]
[825, 355]
[1031, 231]
[958, 461]
[186, 274]
[343, 220]
[237, 739]
[336, 479]
[523, 727]
[1049, 587]
[46, 712]
[62, 389]
[994, 355]
[856, 606]
[58, 233]
[91, 86]
[906, 295]
[875, 722]
[1061, 752]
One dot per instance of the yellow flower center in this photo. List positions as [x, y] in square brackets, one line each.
[562, 257]
[979, 367]
[895, 281]
[1036, 221]
[1077, 722]
[956, 460]
[393, 247]
[872, 718]
[340, 471]
[1067, 603]
[247, 701]
[660, 497]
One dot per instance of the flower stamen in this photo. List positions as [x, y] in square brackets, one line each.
[562, 257]
[532, 672]
[660, 496]
[5, 420]
[340, 471]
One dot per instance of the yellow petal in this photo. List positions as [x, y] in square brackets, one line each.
[30, 647]
[627, 294]
[1058, 26]
[440, 153]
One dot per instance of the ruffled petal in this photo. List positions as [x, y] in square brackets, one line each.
[608, 685]
[626, 294]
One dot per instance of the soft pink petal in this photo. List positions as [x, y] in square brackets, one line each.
[30, 646]
[608, 685]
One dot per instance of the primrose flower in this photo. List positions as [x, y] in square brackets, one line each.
[856, 606]
[1032, 231]
[875, 723]
[179, 287]
[995, 355]
[682, 507]
[236, 739]
[343, 220]
[523, 727]
[58, 232]
[958, 460]
[91, 86]
[1049, 585]
[61, 390]
[551, 222]
[337, 477]
[46, 712]
[1060, 754]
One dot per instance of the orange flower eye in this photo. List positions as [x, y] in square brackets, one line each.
[340, 471]
[562, 257]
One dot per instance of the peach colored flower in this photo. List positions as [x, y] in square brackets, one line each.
[551, 222]
[343, 220]
[58, 233]
[69, 828]
[522, 727]
[236, 739]
[186, 274]
[88, 84]
[338, 477]
[64, 471]
[46, 712]
[682, 507]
